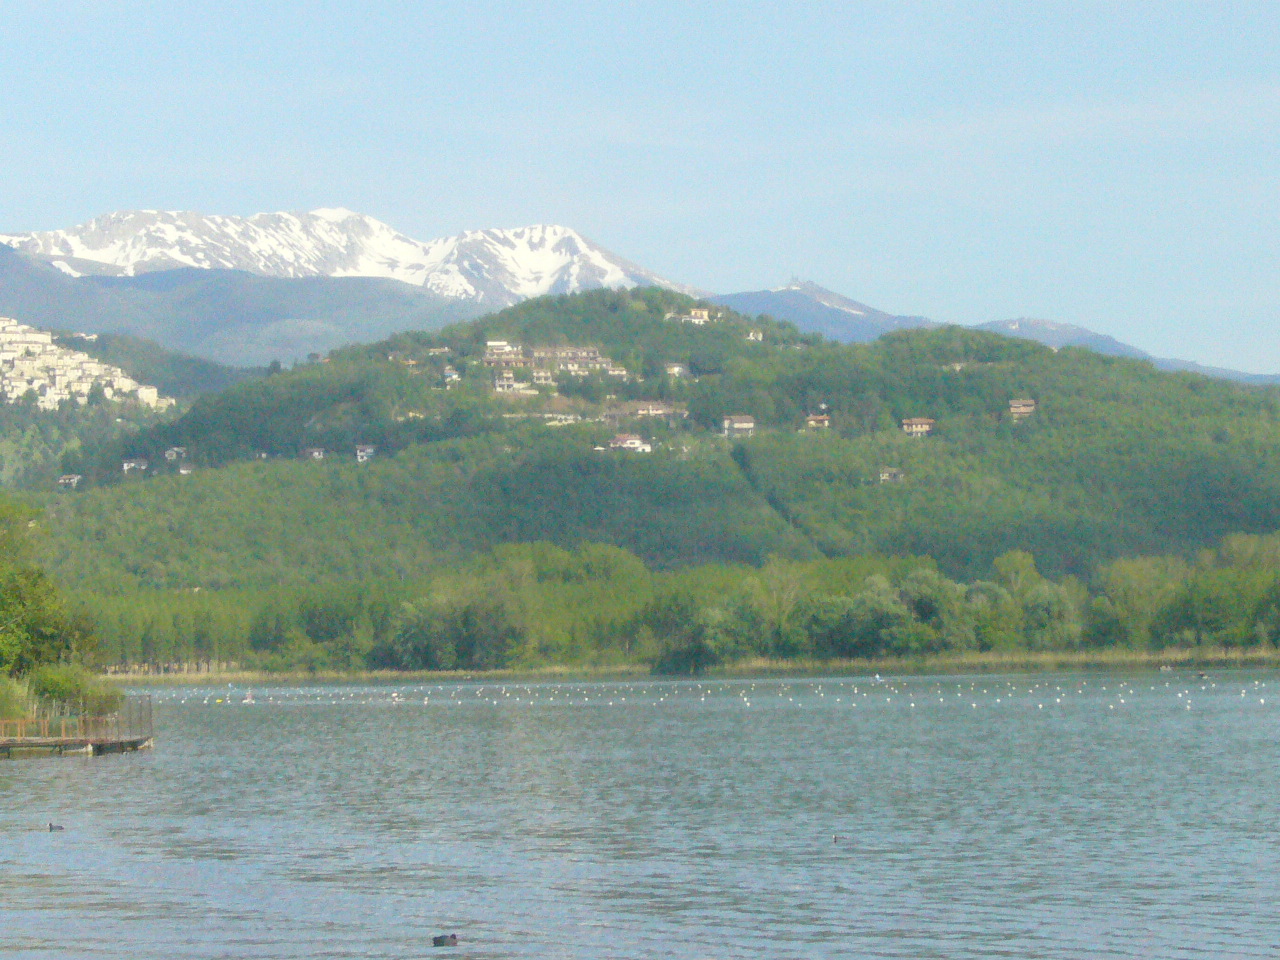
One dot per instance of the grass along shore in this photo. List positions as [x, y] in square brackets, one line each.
[1013, 661]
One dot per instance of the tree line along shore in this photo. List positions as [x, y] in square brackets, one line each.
[1187, 659]
[533, 607]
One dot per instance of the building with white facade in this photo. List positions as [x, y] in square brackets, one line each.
[31, 362]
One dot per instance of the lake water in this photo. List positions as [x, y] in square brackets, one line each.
[1091, 816]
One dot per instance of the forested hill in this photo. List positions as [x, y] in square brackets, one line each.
[175, 374]
[399, 392]
[1116, 459]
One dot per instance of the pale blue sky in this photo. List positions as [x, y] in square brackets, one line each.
[1113, 165]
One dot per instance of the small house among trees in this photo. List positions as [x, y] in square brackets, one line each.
[507, 385]
[69, 481]
[891, 475]
[129, 466]
[918, 426]
[504, 356]
[631, 442]
[1021, 408]
[698, 316]
[818, 421]
[739, 426]
[365, 452]
[313, 453]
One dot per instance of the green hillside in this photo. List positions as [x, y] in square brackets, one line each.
[175, 374]
[258, 525]
[393, 394]
[36, 446]
[1117, 460]
[34, 443]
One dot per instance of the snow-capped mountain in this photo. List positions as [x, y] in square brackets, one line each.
[493, 267]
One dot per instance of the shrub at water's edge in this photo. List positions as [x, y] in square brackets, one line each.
[75, 687]
[41, 636]
[15, 700]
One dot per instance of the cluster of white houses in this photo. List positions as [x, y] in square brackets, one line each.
[31, 363]
[698, 316]
[176, 462]
[364, 453]
[544, 364]
[519, 371]
[629, 443]
[701, 316]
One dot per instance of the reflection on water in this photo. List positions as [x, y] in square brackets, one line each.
[1098, 815]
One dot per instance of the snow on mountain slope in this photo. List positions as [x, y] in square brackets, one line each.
[827, 298]
[1055, 334]
[817, 310]
[497, 267]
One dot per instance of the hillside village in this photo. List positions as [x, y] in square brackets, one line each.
[626, 373]
[543, 365]
[32, 363]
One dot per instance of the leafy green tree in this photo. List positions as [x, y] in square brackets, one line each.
[36, 624]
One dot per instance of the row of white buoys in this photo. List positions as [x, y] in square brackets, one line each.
[828, 693]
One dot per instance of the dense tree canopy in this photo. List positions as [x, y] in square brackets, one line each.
[536, 604]
[36, 626]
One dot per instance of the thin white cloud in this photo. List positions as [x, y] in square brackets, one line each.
[1241, 111]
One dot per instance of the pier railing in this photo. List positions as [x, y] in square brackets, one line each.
[132, 722]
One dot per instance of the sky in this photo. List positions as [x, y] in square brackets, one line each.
[1113, 165]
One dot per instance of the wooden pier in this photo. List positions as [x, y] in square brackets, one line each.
[54, 736]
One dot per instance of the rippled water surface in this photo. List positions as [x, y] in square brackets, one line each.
[1079, 816]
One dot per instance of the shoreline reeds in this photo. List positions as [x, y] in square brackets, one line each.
[1004, 661]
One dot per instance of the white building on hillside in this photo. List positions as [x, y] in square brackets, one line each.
[32, 363]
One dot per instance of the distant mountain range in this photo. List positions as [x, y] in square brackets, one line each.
[229, 316]
[817, 310]
[493, 267]
[1054, 334]
[247, 290]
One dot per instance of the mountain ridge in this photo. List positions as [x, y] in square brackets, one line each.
[247, 290]
[231, 317]
[816, 309]
[495, 267]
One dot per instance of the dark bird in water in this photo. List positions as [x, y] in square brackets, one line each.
[55, 827]
[445, 940]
